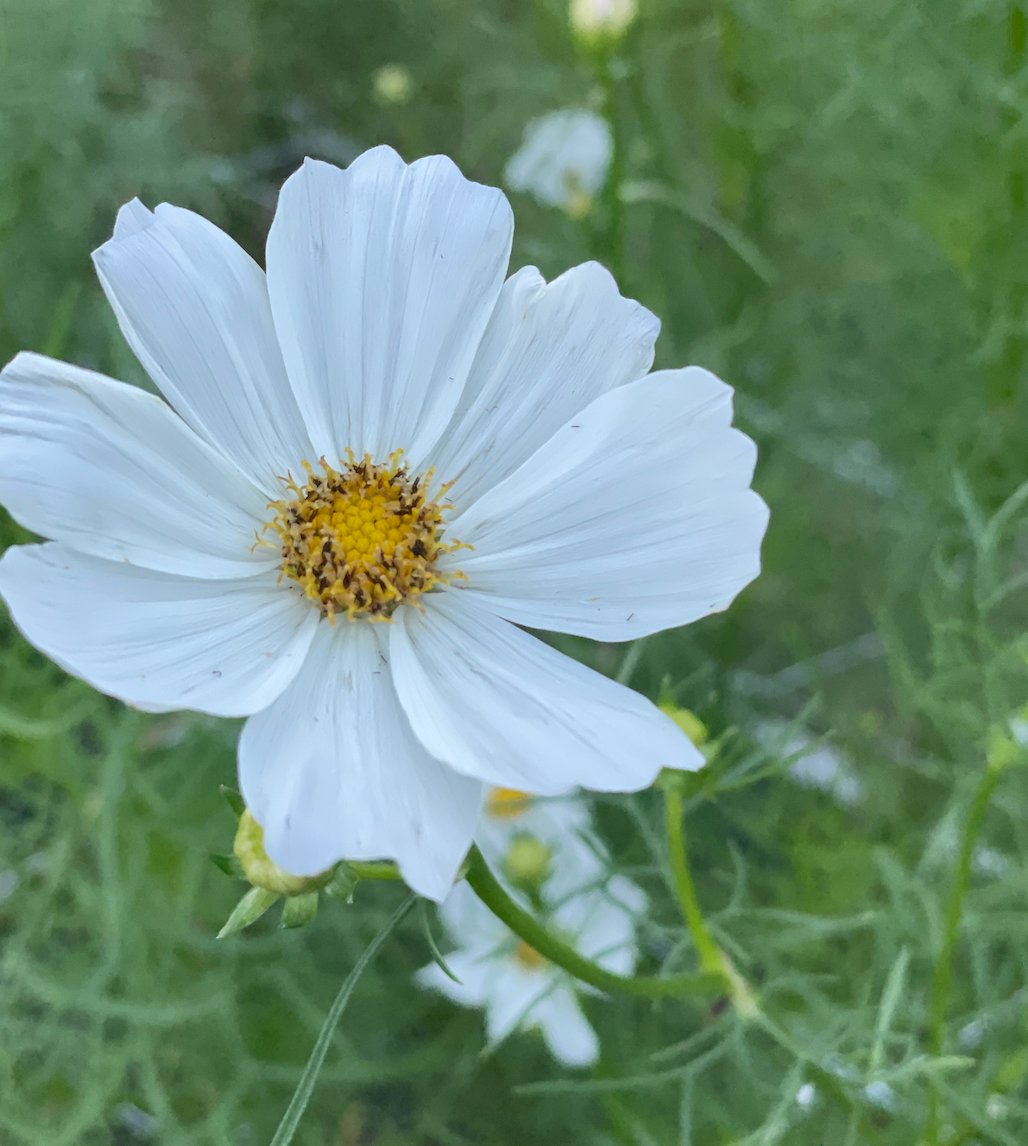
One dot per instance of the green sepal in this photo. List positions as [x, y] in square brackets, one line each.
[344, 880]
[299, 910]
[249, 909]
[230, 865]
[234, 801]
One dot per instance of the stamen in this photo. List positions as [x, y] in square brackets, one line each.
[364, 539]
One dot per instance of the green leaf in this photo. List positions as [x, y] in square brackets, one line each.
[299, 910]
[426, 926]
[248, 910]
[234, 800]
[308, 1080]
[230, 865]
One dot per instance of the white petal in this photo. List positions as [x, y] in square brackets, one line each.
[112, 471]
[566, 1030]
[382, 279]
[473, 971]
[564, 156]
[470, 923]
[547, 352]
[497, 704]
[603, 921]
[131, 218]
[194, 307]
[513, 996]
[634, 517]
[332, 771]
[154, 640]
[563, 826]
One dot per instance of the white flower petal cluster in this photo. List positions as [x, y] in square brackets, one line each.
[518, 989]
[563, 159]
[546, 479]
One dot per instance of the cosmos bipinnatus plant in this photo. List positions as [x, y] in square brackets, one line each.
[375, 462]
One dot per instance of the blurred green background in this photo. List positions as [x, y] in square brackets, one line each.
[826, 202]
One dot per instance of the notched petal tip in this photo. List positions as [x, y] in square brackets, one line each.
[133, 217]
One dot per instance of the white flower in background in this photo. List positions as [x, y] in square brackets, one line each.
[546, 844]
[518, 988]
[596, 21]
[379, 429]
[815, 765]
[563, 160]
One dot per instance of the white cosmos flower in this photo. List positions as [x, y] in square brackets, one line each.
[548, 842]
[563, 159]
[516, 986]
[589, 496]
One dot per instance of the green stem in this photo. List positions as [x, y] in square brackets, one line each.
[489, 890]
[711, 959]
[615, 205]
[308, 1080]
[943, 974]
[383, 870]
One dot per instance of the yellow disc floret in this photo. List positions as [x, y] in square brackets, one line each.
[363, 539]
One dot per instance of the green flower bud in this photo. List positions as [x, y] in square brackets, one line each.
[527, 861]
[688, 722]
[392, 85]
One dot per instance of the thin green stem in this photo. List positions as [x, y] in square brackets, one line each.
[711, 959]
[384, 870]
[308, 1080]
[943, 973]
[615, 238]
[489, 890]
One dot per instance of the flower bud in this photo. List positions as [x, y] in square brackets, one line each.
[392, 85]
[598, 22]
[687, 721]
[527, 861]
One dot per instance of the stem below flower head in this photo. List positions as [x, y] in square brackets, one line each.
[489, 890]
[713, 960]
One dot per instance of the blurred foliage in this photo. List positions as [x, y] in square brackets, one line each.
[827, 203]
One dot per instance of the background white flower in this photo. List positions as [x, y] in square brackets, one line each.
[513, 821]
[563, 159]
[598, 20]
[597, 499]
[516, 986]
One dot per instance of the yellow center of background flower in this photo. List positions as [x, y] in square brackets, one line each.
[363, 539]
[528, 957]
[506, 803]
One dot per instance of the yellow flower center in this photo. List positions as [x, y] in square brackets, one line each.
[506, 803]
[528, 957]
[363, 539]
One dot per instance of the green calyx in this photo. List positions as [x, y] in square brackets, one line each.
[262, 871]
